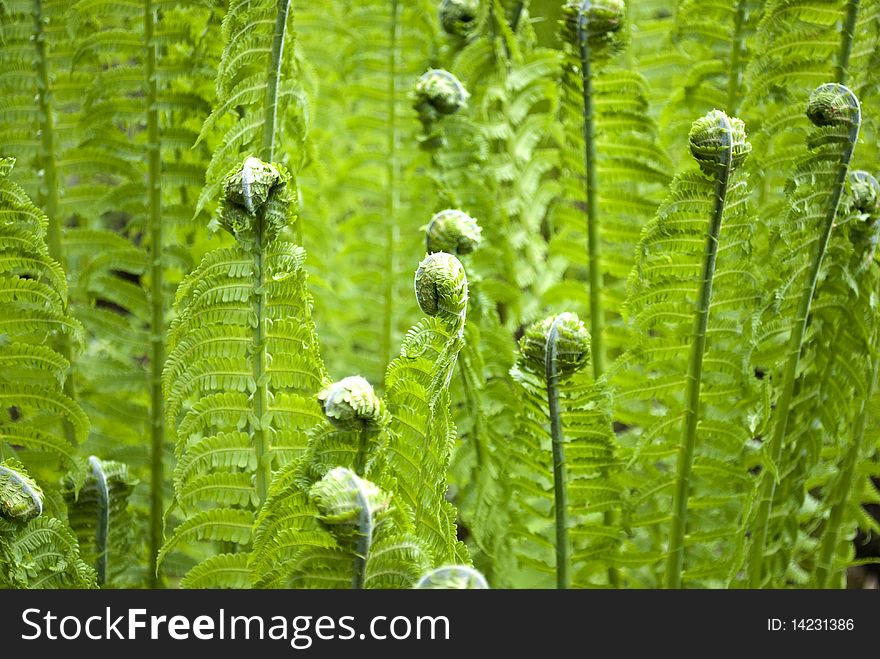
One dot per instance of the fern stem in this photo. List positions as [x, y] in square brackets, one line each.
[102, 528]
[843, 487]
[847, 37]
[516, 15]
[260, 395]
[273, 75]
[365, 539]
[675, 560]
[391, 192]
[594, 249]
[360, 458]
[597, 313]
[734, 80]
[157, 296]
[560, 490]
[49, 187]
[795, 346]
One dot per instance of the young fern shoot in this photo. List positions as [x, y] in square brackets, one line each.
[574, 463]
[836, 112]
[242, 370]
[691, 296]
[325, 525]
[719, 144]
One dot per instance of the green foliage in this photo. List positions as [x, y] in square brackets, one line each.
[715, 427]
[243, 364]
[99, 516]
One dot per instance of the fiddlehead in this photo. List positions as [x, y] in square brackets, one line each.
[331, 519]
[452, 231]
[437, 94]
[21, 499]
[452, 577]
[243, 369]
[836, 112]
[564, 477]
[460, 18]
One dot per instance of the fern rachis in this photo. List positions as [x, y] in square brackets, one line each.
[831, 105]
[719, 144]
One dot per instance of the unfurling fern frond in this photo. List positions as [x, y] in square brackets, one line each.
[35, 551]
[98, 513]
[815, 192]
[829, 449]
[36, 413]
[691, 295]
[422, 433]
[614, 171]
[558, 463]
[798, 46]
[259, 102]
[243, 367]
[331, 519]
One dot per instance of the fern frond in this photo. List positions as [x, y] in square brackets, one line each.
[98, 513]
[243, 364]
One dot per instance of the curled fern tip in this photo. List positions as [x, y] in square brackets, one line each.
[351, 403]
[452, 577]
[340, 497]
[713, 136]
[441, 285]
[441, 92]
[453, 231]
[572, 344]
[832, 104]
[459, 17]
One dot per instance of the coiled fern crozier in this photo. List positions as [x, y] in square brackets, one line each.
[242, 370]
[816, 193]
[331, 519]
[689, 300]
[560, 482]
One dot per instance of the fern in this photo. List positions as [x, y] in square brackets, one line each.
[559, 480]
[98, 514]
[120, 287]
[608, 143]
[38, 415]
[836, 112]
[690, 295]
[328, 526]
[243, 364]
[417, 382]
[257, 73]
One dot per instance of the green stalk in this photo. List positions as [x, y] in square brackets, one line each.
[597, 313]
[847, 37]
[365, 540]
[273, 75]
[360, 458]
[102, 528]
[795, 346]
[675, 560]
[734, 80]
[560, 491]
[594, 239]
[843, 487]
[49, 188]
[391, 193]
[157, 295]
[259, 360]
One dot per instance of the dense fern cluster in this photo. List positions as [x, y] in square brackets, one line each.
[438, 293]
